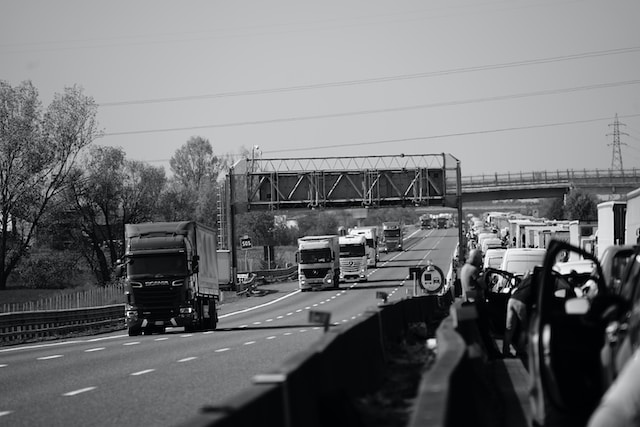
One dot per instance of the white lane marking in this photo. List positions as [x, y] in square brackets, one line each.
[302, 330]
[272, 337]
[146, 371]
[298, 310]
[54, 356]
[290, 313]
[106, 338]
[261, 305]
[186, 335]
[31, 347]
[3, 365]
[243, 326]
[82, 390]
[307, 307]
[187, 359]
[269, 320]
[257, 323]
[220, 350]
[132, 343]
[280, 317]
[3, 413]
[161, 339]
[287, 333]
[91, 350]
[249, 343]
[207, 333]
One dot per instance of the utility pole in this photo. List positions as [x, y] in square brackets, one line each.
[616, 157]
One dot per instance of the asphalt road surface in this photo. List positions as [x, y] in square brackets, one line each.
[163, 380]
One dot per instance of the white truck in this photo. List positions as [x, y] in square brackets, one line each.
[318, 260]
[353, 258]
[611, 225]
[371, 234]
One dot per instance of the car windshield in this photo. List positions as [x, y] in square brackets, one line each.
[158, 265]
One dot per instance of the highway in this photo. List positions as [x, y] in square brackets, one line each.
[113, 379]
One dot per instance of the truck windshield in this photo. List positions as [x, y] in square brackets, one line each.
[392, 233]
[158, 265]
[311, 256]
[352, 251]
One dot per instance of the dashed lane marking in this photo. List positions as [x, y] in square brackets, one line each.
[54, 356]
[91, 350]
[220, 350]
[3, 413]
[80, 391]
[249, 343]
[146, 371]
[131, 343]
[187, 359]
[161, 339]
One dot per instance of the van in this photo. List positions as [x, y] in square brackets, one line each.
[519, 261]
[493, 258]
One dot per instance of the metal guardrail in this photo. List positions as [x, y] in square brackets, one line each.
[30, 325]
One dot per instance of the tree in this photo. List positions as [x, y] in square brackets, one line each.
[553, 209]
[38, 152]
[581, 205]
[195, 171]
[107, 193]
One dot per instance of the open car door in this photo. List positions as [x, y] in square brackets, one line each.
[566, 335]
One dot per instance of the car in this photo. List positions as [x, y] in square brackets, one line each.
[566, 335]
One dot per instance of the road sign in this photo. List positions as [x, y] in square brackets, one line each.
[245, 242]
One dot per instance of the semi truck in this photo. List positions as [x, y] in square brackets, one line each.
[353, 258]
[371, 234]
[318, 260]
[171, 277]
[392, 236]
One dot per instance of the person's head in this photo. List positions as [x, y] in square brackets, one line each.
[475, 257]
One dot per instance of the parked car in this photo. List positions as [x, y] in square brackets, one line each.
[566, 336]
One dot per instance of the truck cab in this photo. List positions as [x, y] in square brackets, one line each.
[353, 258]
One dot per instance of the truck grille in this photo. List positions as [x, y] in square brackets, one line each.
[349, 267]
[161, 301]
[315, 273]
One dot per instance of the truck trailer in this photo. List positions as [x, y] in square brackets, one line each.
[171, 277]
[353, 258]
[392, 236]
[318, 260]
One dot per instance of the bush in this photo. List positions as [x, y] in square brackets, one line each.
[54, 270]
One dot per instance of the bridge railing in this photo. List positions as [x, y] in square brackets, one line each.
[552, 177]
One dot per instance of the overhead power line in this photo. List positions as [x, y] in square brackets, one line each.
[429, 137]
[375, 80]
[379, 111]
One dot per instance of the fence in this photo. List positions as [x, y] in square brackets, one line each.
[97, 297]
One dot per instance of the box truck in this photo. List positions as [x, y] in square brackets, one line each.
[171, 276]
[318, 260]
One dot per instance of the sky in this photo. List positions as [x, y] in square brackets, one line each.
[503, 86]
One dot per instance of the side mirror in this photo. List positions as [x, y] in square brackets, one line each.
[194, 263]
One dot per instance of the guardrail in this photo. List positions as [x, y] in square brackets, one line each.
[25, 326]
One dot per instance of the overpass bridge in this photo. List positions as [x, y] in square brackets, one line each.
[402, 180]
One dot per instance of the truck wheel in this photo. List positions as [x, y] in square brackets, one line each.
[134, 331]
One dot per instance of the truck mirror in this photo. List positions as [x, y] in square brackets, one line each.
[118, 271]
[297, 257]
[194, 263]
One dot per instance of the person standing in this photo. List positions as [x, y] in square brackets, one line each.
[474, 292]
[515, 332]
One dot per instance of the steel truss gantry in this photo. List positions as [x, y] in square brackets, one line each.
[346, 182]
